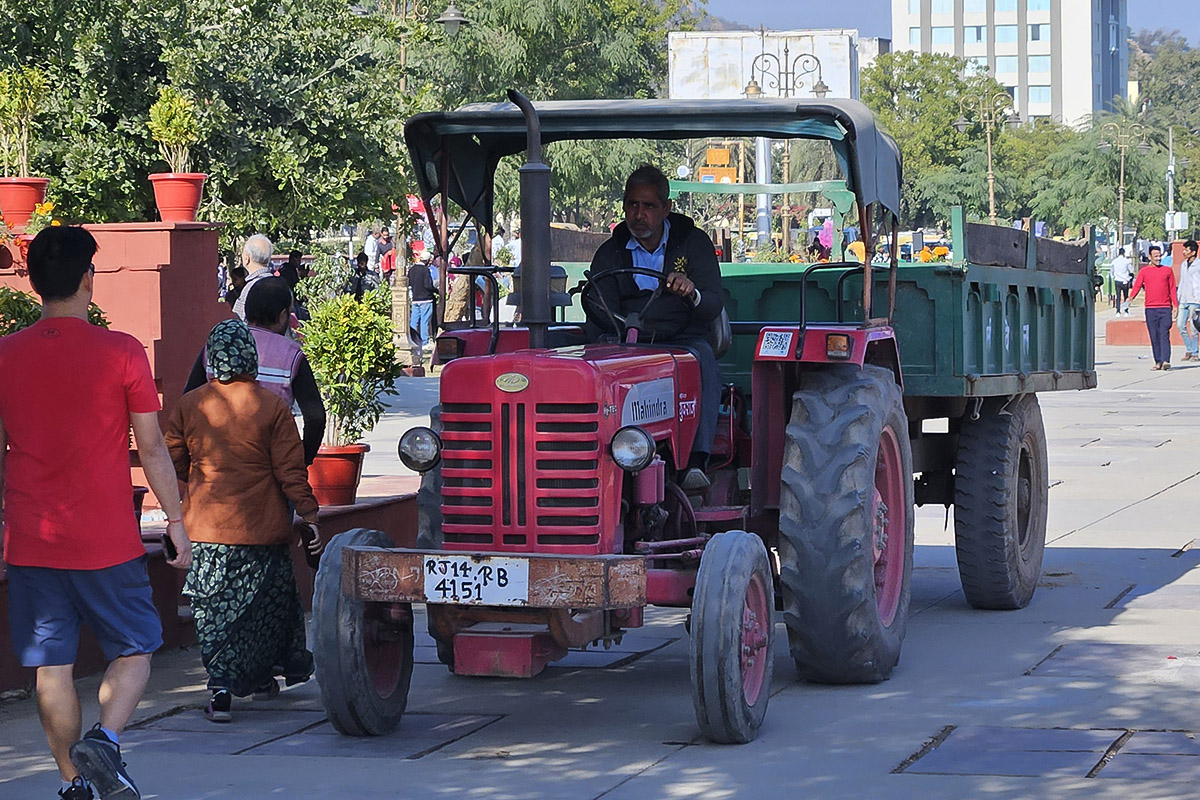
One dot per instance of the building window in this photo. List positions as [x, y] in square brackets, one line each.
[1006, 5]
[1039, 63]
[975, 6]
[943, 7]
[1038, 5]
[976, 65]
[1006, 65]
[943, 35]
[914, 6]
[1012, 92]
[975, 33]
[1006, 33]
[1039, 33]
[1039, 94]
[914, 37]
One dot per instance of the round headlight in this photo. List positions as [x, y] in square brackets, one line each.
[420, 449]
[632, 448]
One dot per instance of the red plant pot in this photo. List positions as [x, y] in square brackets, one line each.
[335, 473]
[178, 194]
[18, 198]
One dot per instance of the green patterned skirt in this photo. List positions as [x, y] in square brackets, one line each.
[249, 621]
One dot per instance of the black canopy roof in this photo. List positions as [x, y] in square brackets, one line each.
[479, 135]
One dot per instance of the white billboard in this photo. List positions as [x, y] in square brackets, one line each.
[719, 64]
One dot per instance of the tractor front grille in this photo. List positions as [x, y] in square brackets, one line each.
[521, 476]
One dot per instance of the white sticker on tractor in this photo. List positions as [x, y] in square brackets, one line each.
[776, 343]
[652, 401]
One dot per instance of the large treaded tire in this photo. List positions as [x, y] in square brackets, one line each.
[1001, 493]
[733, 637]
[364, 661]
[841, 627]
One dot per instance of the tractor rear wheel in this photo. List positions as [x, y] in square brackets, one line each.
[733, 633]
[363, 651]
[1001, 491]
[846, 525]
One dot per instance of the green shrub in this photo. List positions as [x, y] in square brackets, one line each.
[19, 310]
[349, 347]
[174, 125]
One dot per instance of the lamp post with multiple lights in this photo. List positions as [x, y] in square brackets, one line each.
[788, 76]
[1122, 135]
[990, 111]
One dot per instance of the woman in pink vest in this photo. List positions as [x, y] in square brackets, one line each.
[282, 367]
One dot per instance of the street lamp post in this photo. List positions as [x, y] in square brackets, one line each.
[1122, 136]
[989, 111]
[788, 76]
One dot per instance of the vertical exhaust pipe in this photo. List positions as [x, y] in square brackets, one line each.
[536, 310]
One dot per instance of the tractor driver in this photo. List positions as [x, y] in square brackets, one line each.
[654, 238]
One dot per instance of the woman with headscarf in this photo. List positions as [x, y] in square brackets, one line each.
[237, 447]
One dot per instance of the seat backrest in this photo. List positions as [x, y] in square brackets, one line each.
[719, 334]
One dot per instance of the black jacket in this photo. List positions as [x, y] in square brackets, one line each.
[688, 250]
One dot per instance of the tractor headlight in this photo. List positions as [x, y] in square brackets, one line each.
[420, 449]
[632, 448]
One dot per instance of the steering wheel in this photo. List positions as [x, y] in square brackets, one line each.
[623, 323]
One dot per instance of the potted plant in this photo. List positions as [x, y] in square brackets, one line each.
[22, 92]
[174, 125]
[350, 349]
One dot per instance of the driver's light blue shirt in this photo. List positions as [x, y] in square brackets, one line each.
[646, 260]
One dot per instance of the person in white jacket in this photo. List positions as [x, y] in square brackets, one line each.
[1122, 275]
[1189, 300]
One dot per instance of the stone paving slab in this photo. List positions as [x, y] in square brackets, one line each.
[1029, 752]
[1100, 659]
[1145, 766]
[1178, 743]
[1178, 596]
[417, 735]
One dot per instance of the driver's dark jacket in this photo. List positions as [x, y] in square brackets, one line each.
[688, 250]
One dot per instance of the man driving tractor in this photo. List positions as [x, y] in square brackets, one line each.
[680, 308]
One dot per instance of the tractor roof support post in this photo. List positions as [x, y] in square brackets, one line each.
[864, 228]
[536, 310]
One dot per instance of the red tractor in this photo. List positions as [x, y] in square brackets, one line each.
[550, 512]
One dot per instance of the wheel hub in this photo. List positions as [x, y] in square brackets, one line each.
[756, 639]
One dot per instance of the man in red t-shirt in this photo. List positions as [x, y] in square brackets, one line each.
[69, 392]
[1162, 304]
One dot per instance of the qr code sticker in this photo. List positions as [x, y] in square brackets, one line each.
[776, 343]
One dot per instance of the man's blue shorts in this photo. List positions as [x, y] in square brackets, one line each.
[45, 607]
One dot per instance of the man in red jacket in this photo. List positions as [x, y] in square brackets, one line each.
[1162, 304]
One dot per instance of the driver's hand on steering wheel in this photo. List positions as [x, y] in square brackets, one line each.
[680, 284]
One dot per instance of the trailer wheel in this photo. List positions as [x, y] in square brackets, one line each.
[363, 651]
[1001, 491]
[846, 525]
[733, 634]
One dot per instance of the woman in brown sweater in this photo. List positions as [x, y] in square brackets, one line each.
[237, 447]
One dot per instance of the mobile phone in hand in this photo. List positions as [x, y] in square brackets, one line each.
[169, 547]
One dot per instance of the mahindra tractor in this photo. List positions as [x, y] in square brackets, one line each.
[550, 511]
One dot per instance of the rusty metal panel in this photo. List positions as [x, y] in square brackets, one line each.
[580, 582]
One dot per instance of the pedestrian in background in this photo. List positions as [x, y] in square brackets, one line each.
[387, 255]
[282, 366]
[237, 280]
[256, 259]
[1189, 300]
[1162, 305]
[235, 444]
[1121, 270]
[69, 393]
[423, 293]
[371, 248]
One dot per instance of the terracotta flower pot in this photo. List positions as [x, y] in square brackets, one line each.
[178, 194]
[18, 198]
[335, 473]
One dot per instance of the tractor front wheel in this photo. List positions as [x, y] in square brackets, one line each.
[363, 651]
[846, 525]
[733, 633]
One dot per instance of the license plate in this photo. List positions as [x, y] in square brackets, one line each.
[477, 580]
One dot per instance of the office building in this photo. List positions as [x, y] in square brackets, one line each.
[1059, 59]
